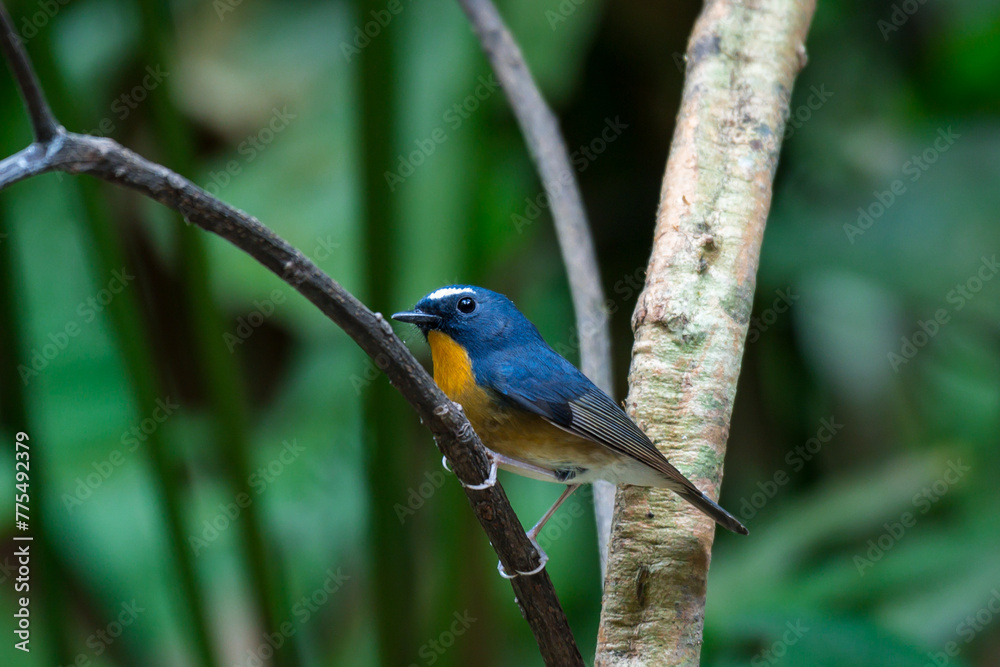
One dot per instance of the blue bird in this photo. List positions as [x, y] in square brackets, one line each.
[537, 414]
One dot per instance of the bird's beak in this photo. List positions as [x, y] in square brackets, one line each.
[422, 320]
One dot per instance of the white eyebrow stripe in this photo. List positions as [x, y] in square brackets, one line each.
[449, 291]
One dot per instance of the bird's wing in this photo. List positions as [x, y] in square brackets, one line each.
[554, 389]
[542, 382]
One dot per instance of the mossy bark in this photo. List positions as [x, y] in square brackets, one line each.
[691, 319]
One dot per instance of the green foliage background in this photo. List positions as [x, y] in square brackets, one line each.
[392, 533]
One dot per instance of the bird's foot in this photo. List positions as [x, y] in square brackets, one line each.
[491, 479]
[543, 558]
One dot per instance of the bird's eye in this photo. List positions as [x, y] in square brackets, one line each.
[466, 305]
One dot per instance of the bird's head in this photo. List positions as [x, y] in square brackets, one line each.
[473, 317]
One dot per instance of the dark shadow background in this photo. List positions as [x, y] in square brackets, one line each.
[296, 489]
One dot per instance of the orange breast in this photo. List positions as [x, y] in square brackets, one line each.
[452, 366]
[515, 433]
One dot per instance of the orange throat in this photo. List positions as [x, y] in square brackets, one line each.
[452, 366]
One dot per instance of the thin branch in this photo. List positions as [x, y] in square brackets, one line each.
[107, 160]
[23, 164]
[548, 150]
[691, 319]
[43, 122]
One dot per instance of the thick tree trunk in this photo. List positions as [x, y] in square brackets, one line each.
[691, 319]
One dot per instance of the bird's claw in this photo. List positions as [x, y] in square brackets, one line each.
[490, 480]
[543, 558]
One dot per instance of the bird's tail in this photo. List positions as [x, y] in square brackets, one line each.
[712, 509]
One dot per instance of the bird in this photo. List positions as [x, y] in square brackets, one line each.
[535, 412]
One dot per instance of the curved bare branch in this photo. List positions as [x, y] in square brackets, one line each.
[58, 150]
